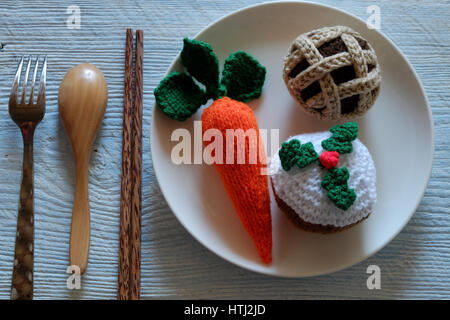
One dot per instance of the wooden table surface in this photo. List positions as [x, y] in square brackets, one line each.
[415, 264]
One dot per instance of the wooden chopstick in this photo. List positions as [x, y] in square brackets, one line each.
[135, 254]
[126, 179]
[131, 181]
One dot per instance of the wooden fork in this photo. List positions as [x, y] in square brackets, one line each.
[26, 115]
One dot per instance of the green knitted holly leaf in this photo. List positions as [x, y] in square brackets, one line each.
[335, 182]
[294, 153]
[341, 138]
[201, 62]
[178, 96]
[243, 76]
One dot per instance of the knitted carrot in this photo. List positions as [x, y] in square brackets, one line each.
[244, 183]
[179, 96]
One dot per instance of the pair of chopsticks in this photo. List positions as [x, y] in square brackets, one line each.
[130, 196]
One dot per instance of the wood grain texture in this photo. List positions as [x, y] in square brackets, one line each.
[82, 99]
[22, 277]
[123, 282]
[136, 165]
[174, 265]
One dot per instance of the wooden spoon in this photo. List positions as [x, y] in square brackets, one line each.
[82, 102]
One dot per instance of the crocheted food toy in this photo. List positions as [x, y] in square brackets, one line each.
[244, 182]
[324, 182]
[241, 166]
[179, 96]
[332, 73]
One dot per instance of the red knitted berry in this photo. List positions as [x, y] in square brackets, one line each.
[329, 159]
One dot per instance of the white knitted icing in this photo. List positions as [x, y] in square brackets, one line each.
[300, 189]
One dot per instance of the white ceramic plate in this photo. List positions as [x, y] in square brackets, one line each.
[398, 131]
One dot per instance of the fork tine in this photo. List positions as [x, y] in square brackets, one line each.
[42, 84]
[25, 81]
[33, 81]
[16, 82]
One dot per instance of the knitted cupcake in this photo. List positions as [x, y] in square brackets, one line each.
[332, 73]
[324, 182]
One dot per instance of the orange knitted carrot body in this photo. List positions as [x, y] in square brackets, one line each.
[243, 180]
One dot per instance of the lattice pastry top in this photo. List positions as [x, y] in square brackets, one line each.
[333, 73]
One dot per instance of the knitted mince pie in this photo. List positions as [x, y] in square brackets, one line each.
[325, 181]
[332, 73]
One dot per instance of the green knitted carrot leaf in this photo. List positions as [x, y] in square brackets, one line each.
[341, 138]
[335, 182]
[178, 96]
[243, 76]
[201, 62]
[294, 153]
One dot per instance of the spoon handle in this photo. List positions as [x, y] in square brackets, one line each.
[80, 228]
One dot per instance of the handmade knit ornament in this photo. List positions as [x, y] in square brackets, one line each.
[335, 181]
[332, 73]
[179, 97]
[304, 193]
[244, 183]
